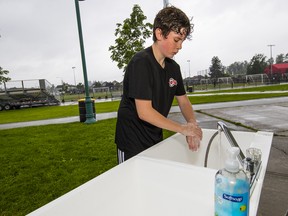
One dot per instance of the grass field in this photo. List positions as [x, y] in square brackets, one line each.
[39, 113]
[41, 163]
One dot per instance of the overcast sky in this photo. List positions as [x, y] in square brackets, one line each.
[39, 38]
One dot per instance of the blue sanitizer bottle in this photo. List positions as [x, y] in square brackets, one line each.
[232, 188]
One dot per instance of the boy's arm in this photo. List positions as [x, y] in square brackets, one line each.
[186, 108]
[147, 113]
[188, 113]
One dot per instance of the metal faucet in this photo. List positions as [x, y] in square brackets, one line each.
[232, 141]
[251, 164]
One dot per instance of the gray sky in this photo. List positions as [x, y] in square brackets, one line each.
[39, 38]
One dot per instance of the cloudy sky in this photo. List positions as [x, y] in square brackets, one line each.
[39, 38]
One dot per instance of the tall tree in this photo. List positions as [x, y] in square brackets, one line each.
[131, 36]
[216, 69]
[4, 78]
[237, 68]
[257, 64]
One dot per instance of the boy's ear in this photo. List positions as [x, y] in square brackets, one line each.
[158, 33]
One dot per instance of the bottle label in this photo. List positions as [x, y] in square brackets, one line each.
[231, 198]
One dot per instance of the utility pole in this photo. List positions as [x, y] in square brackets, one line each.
[271, 45]
[88, 102]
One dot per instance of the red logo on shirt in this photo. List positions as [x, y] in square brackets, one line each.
[172, 82]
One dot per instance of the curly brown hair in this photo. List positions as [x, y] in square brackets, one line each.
[172, 19]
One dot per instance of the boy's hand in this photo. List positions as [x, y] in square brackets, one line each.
[193, 135]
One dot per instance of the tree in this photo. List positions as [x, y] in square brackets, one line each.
[216, 69]
[237, 68]
[80, 87]
[65, 87]
[270, 61]
[131, 37]
[257, 64]
[2, 75]
[281, 58]
[97, 84]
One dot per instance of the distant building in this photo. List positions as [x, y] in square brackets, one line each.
[277, 69]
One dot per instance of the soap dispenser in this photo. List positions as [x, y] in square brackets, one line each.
[232, 188]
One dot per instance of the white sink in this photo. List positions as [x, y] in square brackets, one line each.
[167, 179]
[175, 148]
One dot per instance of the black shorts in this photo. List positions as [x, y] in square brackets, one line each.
[123, 156]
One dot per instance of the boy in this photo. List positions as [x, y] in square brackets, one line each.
[151, 81]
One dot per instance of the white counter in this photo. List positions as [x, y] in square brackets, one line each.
[160, 181]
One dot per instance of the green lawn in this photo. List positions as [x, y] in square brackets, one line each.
[50, 112]
[39, 113]
[41, 163]
[282, 87]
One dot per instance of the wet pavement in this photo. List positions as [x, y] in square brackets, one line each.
[262, 114]
[266, 115]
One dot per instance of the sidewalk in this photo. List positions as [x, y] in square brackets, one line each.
[174, 109]
[71, 119]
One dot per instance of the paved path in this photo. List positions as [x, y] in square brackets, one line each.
[175, 109]
[55, 121]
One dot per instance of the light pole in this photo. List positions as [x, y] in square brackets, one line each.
[189, 67]
[88, 102]
[63, 89]
[189, 78]
[271, 45]
[75, 81]
[165, 3]
[73, 68]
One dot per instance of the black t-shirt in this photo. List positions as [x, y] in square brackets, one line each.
[145, 79]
